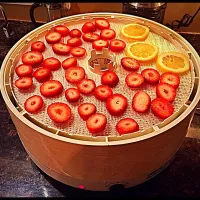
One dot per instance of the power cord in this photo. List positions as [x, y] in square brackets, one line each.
[184, 22]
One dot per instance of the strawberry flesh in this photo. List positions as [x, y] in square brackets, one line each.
[72, 94]
[24, 70]
[151, 75]
[166, 91]
[75, 74]
[86, 86]
[130, 64]
[141, 102]
[170, 78]
[102, 92]
[134, 80]
[161, 108]
[127, 125]
[110, 79]
[85, 110]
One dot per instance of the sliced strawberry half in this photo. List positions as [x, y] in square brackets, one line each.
[75, 74]
[100, 44]
[170, 78]
[69, 62]
[85, 110]
[110, 79]
[59, 112]
[52, 63]
[78, 51]
[72, 94]
[96, 123]
[141, 102]
[33, 104]
[61, 49]
[42, 74]
[51, 88]
[127, 125]
[116, 104]
[166, 91]
[150, 75]
[117, 45]
[130, 64]
[88, 27]
[107, 34]
[33, 58]
[161, 108]
[38, 46]
[53, 37]
[24, 83]
[63, 30]
[90, 37]
[75, 33]
[102, 23]
[74, 42]
[102, 92]
[24, 70]
[134, 80]
[86, 86]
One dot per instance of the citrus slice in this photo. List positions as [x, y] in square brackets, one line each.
[142, 51]
[135, 32]
[173, 62]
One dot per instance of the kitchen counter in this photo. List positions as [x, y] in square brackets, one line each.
[20, 177]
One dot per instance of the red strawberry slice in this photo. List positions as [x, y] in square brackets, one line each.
[33, 58]
[134, 80]
[59, 112]
[78, 51]
[150, 75]
[166, 91]
[75, 74]
[96, 123]
[100, 44]
[38, 46]
[141, 102]
[53, 37]
[102, 23]
[24, 83]
[161, 108]
[74, 42]
[72, 94]
[51, 88]
[88, 27]
[69, 62]
[107, 34]
[33, 104]
[63, 30]
[85, 110]
[127, 125]
[102, 92]
[52, 63]
[130, 64]
[116, 104]
[86, 86]
[117, 45]
[61, 49]
[75, 33]
[90, 37]
[24, 70]
[42, 74]
[170, 78]
[110, 79]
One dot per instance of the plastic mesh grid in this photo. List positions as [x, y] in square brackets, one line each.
[76, 125]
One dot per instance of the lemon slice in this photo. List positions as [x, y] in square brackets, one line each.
[134, 32]
[142, 51]
[173, 62]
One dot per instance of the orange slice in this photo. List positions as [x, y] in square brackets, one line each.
[173, 62]
[142, 51]
[134, 32]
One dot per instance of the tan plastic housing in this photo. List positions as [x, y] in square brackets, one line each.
[98, 163]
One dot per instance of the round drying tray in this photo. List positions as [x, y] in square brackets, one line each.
[161, 36]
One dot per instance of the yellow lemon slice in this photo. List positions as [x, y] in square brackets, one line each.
[142, 51]
[134, 32]
[173, 62]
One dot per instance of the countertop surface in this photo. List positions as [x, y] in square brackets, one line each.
[20, 177]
